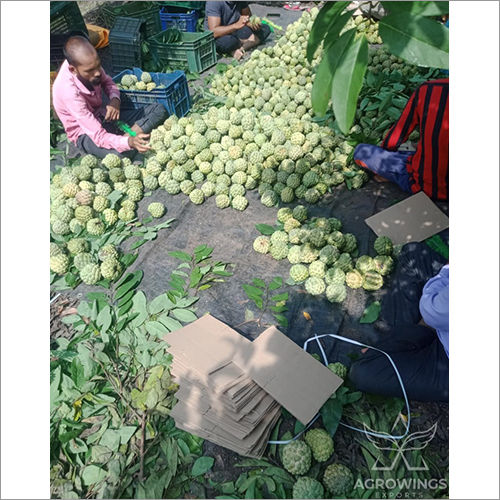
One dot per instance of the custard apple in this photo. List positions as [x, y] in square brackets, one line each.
[296, 457]
[111, 161]
[295, 254]
[111, 269]
[279, 237]
[384, 264]
[82, 259]
[100, 203]
[299, 273]
[110, 216]
[284, 214]
[364, 264]
[89, 161]
[279, 250]
[95, 226]
[197, 196]
[269, 198]
[383, 245]
[59, 227]
[239, 203]
[84, 197]
[315, 286]
[126, 214]
[354, 279]
[329, 254]
[90, 274]
[338, 480]
[55, 249]
[372, 281]
[317, 269]
[300, 213]
[59, 263]
[321, 444]
[309, 253]
[156, 209]
[339, 369]
[335, 275]
[344, 262]
[77, 245]
[261, 244]
[107, 251]
[336, 292]
[222, 200]
[146, 77]
[307, 487]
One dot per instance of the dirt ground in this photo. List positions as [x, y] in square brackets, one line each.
[193, 227]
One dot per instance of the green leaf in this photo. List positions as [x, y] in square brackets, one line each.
[170, 323]
[326, 17]
[138, 244]
[195, 278]
[258, 282]
[126, 298]
[418, 8]
[93, 474]
[265, 229]
[249, 315]
[276, 283]
[281, 320]
[347, 82]
[155, 328]
[418, 40]
[111, 439]
[280, 296]
[202, 465]
[104, 319]
[371, 313]
[184, 315]
[252, 291]
[180, 255]
[131, 280]
[331, 413]
[159, 304]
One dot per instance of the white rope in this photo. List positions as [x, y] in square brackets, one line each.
[325, 361]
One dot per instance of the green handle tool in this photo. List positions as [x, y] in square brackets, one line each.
[123, 126]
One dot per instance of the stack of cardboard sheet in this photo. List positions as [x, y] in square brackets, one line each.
[231, 390]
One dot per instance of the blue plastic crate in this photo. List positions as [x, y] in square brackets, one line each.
[174, 97]
[183, 21]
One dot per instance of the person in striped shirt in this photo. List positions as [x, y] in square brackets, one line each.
[425, 169]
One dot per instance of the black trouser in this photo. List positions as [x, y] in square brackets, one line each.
[147, 118]
[415, 349]
[227, 44]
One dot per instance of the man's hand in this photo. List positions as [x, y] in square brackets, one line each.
[241, 22]
[139, 142]
[112, 110]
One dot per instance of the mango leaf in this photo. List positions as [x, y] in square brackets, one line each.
[202, 465]
[371, 313]
[130, 281]
[322, 86]
[418, 8]
[326, 17]
[347, 82]
[331, 413]
[93, 474]
[265, 229]
[418, 40]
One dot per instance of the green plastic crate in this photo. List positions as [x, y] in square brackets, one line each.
[195, 52]
[66, 17]
[148, 12]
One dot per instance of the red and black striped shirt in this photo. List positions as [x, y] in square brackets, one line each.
[428, 167]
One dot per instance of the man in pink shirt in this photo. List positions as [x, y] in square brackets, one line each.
[77, 96]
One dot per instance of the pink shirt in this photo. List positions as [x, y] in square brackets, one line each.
[81, 110]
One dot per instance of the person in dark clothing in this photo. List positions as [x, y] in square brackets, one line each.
[425, 169]
[233, 32]
[415, 324]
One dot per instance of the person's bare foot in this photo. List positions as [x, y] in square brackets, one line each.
[238, 54]
[377, 178]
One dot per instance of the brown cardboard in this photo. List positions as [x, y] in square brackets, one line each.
[413, 219]
[289, 374]
[188, 418]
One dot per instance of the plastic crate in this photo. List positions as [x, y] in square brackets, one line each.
[148, 12]
[65, 17]
[183, 21]
[125, 41]
[195, 52]
[174, 97]
[57, 42]
[186, 5]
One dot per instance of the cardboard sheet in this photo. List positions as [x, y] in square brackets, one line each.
[414, 219]
[300, 383]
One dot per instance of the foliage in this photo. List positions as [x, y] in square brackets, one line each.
[260, 293]
[371, 313]
[111, 393]
[120, 232]
[197, 272]
[408, 32]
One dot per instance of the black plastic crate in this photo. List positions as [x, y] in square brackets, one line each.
[125, 40]
[147, 12]
[65, 17]
[57, 42]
